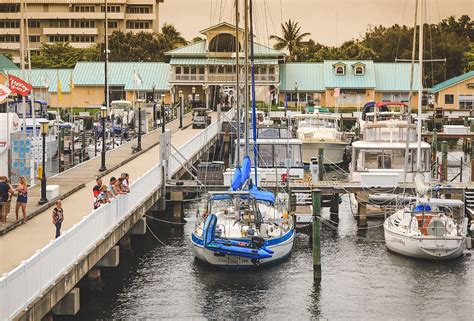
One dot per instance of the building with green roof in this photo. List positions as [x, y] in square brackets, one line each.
[455, 93]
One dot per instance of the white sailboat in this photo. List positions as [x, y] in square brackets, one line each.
[429, 228]
[244, 227]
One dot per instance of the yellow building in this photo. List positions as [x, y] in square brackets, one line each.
[455, 93]
[80, 22]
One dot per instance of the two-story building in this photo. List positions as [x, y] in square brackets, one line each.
[455, 93]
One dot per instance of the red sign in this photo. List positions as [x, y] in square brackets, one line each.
[19, 86]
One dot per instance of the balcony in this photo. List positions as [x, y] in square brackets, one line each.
[75, 15]
[135, 31]
[140, 16]
[262, 78]
[81, 45]
[9, 31]
[70, 31]
[10, 45]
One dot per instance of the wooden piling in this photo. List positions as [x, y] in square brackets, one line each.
[362, 200]
[444, 161]
[334, 210]
[434, 149]
[316, 234]
[321, 164]
[472, 170]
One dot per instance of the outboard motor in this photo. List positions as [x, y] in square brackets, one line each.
[257, 241]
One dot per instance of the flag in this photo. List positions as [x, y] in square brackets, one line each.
[136, 78]
[60, 94]
[4, 92]
[45, 81]
[71, 81]
[19, 86]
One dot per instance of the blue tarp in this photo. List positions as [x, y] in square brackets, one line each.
[237, 179]
[246, 164]
[421, 208]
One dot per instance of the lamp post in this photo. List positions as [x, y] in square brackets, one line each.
[193, 90]
[154, 106]
[139, 142]
[163, 116]
[296, 93]
[44, 125]
[103, 115]
[180, 109]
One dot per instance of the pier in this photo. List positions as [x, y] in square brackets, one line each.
[42, 272]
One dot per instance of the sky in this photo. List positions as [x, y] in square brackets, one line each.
[330, 22]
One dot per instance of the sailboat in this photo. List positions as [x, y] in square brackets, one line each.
[244, 226]
[428, 228]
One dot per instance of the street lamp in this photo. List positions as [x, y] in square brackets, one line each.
[296, 93]
[103, 116]
[163, 116]
[139, 143]
[193, 90]
[154, 106]
[180, 109]
[44, 125]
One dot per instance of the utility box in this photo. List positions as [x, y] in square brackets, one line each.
[314, 168]
[143, 120]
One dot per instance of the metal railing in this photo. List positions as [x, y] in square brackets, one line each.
[22, 285]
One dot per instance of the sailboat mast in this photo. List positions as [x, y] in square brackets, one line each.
[22, 56]
[420, 86]
[254, 107]
[246, 73]
[237, 82]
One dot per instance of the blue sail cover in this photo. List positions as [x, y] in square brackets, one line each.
[237, 179]
[246, 164]
[262, 195]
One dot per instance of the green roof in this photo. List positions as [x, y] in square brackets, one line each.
[310, 76]
[393, 76]
[199, 49]
[6, 63]
[122, 74]
[452, 81]
[317, 76]
[349, 80]
[217, 61]
[46, 78]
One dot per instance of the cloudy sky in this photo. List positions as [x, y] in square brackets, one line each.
[329, 21]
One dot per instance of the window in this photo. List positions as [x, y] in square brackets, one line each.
[83, 38]
[9, 8]
[449, 99]
[138, 9]
[10, 38]
[10, 24]
[116, 93]
[35, 39]
[138, 24]
[395, 97]
[340, 70]
[177, 70]
[359, 70]
[201, 70]
[111, 8]
[59, 23]
[466, 102]
[83, 24]
[58, 38]
[271, 70]
[112, 24]
[33, 23]
[83, 8]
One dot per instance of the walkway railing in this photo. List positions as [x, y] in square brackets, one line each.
[25, 283]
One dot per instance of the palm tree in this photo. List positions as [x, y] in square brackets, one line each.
[171, 36]
[291, 39]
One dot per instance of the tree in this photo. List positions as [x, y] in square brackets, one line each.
[63, 55]
[291, 39]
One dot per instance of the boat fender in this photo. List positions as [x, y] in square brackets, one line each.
[468, 243]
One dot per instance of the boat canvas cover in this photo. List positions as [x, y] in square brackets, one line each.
[246, 164]
[259, 195]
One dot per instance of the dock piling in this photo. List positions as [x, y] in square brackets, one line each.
[444, 161]
[321, 164]
[362, 200]
[334, 210]
[316, 234]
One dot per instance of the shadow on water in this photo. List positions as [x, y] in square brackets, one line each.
[361, 279]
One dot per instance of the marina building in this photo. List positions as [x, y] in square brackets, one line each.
[455, 93]
[204, 71]
[79, 22]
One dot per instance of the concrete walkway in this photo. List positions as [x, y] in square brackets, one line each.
[23, 241]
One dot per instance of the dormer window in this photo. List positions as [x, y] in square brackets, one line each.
[340, 70]
[359, 69]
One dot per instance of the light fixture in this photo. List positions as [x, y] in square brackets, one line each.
[44, 126]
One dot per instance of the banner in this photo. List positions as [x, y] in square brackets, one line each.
[19, 86]
[4, 92]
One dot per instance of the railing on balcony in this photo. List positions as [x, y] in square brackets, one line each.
[220, 77]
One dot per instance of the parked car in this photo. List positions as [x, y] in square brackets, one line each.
[201, 117]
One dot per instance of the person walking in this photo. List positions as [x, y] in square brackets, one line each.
[22, 198]
[5, 194]
[58, 217]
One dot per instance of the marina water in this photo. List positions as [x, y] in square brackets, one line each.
[361, 279]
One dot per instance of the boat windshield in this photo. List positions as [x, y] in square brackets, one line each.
[276, 155]
[378, 159]
[316, 122]
[272, 132]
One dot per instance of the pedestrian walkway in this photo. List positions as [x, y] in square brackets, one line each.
[22, 242]
[75, 178]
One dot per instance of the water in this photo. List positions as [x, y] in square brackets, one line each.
[361, 280]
